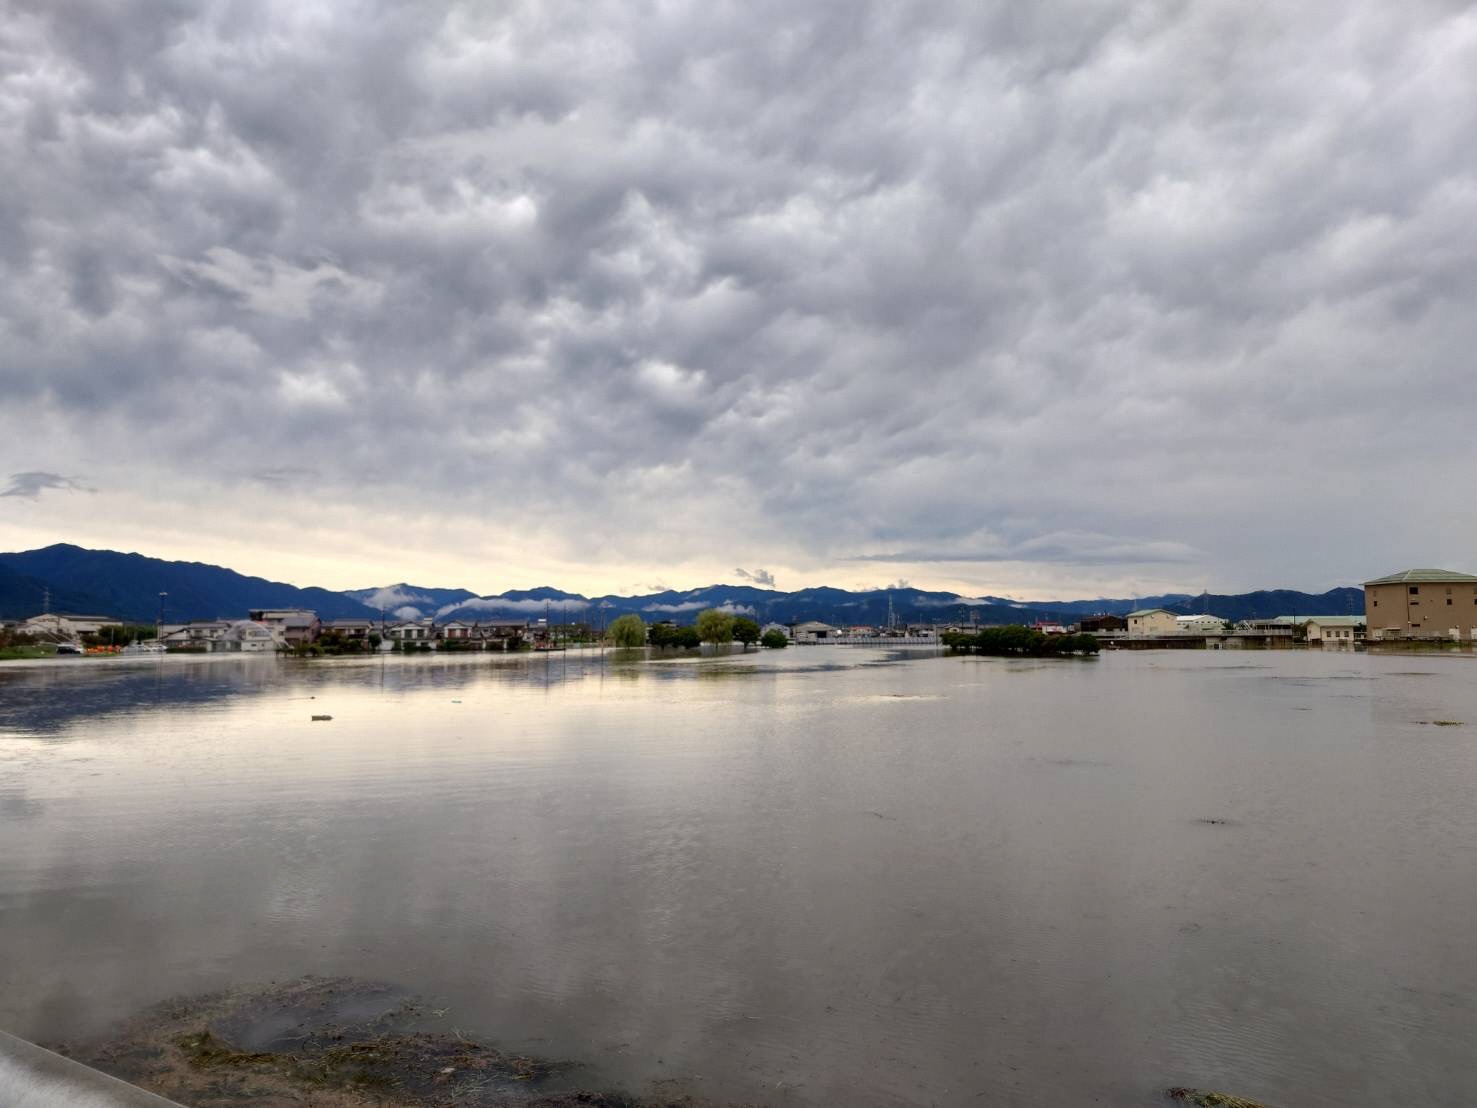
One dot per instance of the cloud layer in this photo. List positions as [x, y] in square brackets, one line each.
[1040, 298]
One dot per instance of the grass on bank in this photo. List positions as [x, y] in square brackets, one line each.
[19, 653]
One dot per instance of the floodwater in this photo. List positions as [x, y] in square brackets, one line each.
[826, 875]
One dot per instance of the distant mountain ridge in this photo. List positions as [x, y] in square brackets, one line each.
[907, 605]
[128, 585]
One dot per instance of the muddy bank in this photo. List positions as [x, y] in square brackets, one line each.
[335, 1043]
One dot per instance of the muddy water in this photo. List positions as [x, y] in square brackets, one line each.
[820, 876]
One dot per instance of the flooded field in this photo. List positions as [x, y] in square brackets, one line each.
[820, 876]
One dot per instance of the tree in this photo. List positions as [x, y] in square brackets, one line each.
[628, 630]
[665, 635]
[775, 639]
[715, 626]
[746, 631]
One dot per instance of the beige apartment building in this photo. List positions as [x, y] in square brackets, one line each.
[1422, 604]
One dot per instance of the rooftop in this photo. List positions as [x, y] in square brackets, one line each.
[1337, 621]
[1148, 612]
[1424, 576]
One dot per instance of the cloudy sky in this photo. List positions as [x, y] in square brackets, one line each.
[1046, 299]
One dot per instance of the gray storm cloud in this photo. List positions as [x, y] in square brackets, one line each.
[33, 483]
[761, 577]
[1062, 283]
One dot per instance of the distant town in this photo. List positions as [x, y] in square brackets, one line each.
[1430, 605]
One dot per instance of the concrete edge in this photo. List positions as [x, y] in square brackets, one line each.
[33, 1077]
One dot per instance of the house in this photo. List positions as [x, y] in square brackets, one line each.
[420, 631]
[503, 634]
[296, 626]
[1337, 630]
[1151, 623]
[199, 634]
[1102, 625]
[1202, 624]
[457, 631]
[813, 631]
[246, 636]
[1422, 604]
[353, 630]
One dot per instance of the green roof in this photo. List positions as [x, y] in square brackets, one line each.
[1336, 621]
[1148, 612]
[1424, 576]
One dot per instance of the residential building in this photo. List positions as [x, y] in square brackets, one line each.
[1102, 625]
[420, 631]
[1422, 604]
[352, 630]
[1201, 624]
[246, 636]
[1150, 623]
[197, 635]
[1336, 630]
[296, 626]
[503, 634]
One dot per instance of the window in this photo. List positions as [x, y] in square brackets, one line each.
[1448, 601]
[1377, 603]
[1414, 590]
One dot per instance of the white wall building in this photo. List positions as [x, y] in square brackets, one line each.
[1202, 624]
[1151, 623]
[1335, 630]
[68, 626]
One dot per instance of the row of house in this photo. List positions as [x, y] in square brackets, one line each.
[1158, 623]
[268, 629]
[1414, 604]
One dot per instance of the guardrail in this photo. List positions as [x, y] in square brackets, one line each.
[33, 1077]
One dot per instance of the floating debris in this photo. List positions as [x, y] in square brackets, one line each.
[317, 718]
[333, 1043]
[1203, 1099]
[1446, 723]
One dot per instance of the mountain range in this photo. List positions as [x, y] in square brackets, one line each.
[127, 586]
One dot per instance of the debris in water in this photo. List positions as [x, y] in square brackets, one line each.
[332, 1043]
[317, 718]
[1446, 723]
[1203, 1099]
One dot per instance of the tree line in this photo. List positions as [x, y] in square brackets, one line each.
[711, 626]
[1018, 641]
